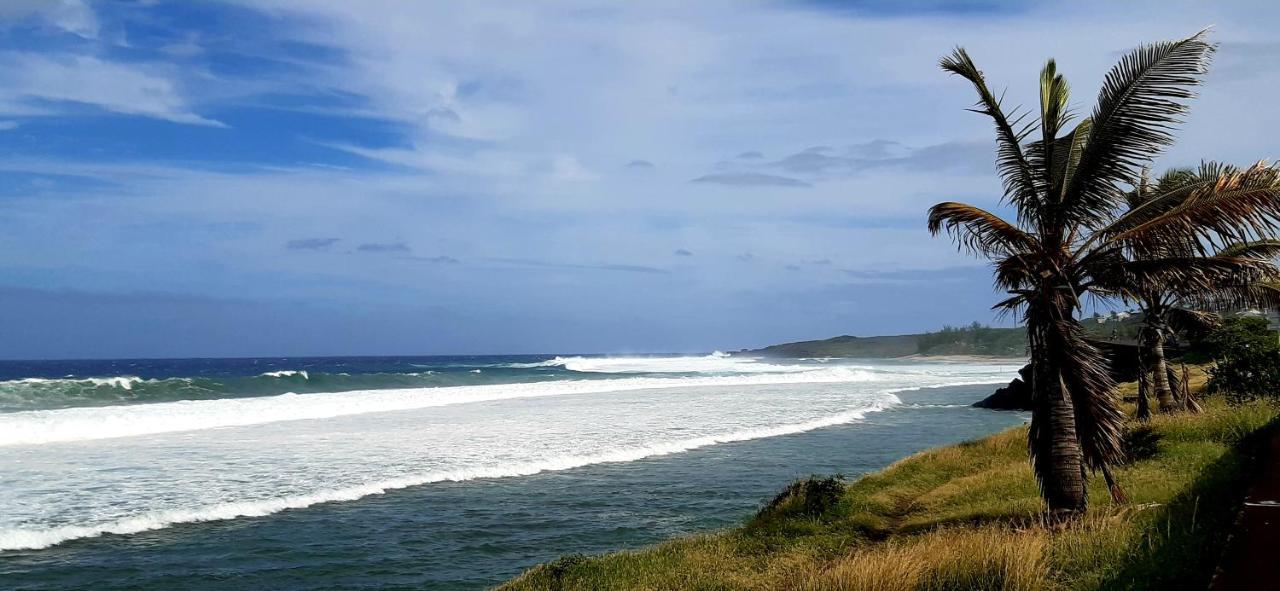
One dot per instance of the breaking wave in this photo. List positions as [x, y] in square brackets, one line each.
[105, 422]
[33, 538]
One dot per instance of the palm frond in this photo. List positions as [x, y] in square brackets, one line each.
[1236, 206]
[978, 230]
[1258, 249]
[1259, 294]
[1152, 200]
[1192, 321]
[1189, 276]
[1042, 155]
[1015, 172]
[1142, 98]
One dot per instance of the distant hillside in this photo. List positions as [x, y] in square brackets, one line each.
[974, 339]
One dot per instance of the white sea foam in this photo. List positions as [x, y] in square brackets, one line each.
[286, 373]
[122, 382]
[206, 460]
[23, 538]
[715, 363]
[88, 423]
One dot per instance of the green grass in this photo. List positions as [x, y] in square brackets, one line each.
[967, 517]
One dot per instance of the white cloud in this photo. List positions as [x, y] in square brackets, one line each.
[35, 83]
[70, 15]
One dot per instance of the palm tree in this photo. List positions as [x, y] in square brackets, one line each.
[1167, 306]
[1071, 229]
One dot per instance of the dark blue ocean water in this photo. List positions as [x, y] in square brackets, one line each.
[466, 534]
[30, 385]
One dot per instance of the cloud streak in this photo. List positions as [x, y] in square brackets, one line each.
[311, 243]
[377, 247]
[750, 179]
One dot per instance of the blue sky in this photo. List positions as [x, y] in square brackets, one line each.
[325, 177]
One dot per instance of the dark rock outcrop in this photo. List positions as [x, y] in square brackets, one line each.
[1122, 360]
[1015, 396]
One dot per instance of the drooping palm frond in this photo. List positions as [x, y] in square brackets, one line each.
[1099, 416]
[1017, 271]
[978, 230]
[1262, 294]
[1235, 206]
[1184, 276]
[1268, 248]
[1141, 99]
[1193, 321]
[1151, 200]
[1015, 173]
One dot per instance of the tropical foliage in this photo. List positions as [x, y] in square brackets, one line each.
[974, 339]
[1076, 235]
[1194, 306]
[1247, 356]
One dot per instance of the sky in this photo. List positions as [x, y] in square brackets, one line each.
[326, 177]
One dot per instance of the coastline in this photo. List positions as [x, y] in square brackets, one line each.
[964, 358]
[965, 510]
[434, 531]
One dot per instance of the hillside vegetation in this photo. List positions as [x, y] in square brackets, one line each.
[967, 517]
[974, 339]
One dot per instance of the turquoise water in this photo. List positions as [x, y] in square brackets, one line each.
[632, 452]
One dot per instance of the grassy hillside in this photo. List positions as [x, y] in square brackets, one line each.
[974, 339]
[965, 517]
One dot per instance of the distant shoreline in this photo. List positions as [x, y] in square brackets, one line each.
[965, 358]
[973, 342]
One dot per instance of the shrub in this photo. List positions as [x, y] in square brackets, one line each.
[809, 497]
[1248, 360]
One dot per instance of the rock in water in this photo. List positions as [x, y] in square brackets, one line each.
[1015, 396]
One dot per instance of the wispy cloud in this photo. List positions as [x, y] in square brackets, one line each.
[586, 266]
[48, 84]
[74, 16]
[383, 247]
[750, 179]
[438, 260]
[311, 243]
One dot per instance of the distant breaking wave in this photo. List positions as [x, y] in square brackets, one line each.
[31, 538]
[57, 393]
[715, 363]
[286, 373]
[105, 422]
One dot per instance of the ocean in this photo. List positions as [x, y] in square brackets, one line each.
[428, 472]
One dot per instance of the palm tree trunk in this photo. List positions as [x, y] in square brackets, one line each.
[1188, 401]
[1144, 394]
[1144, 375]
[1061, 470]
[1153, 342]
[1057, 457]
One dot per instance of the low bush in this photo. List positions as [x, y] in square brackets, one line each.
[1247, 356]
[808, 497]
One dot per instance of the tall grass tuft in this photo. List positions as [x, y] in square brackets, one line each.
[943, 560]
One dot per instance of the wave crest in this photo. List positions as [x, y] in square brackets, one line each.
[89, 423]
[32, 538]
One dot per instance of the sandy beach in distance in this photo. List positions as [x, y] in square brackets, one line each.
[964, 358]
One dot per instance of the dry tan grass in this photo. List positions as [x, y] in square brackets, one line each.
[981, 558]
[966, 517]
